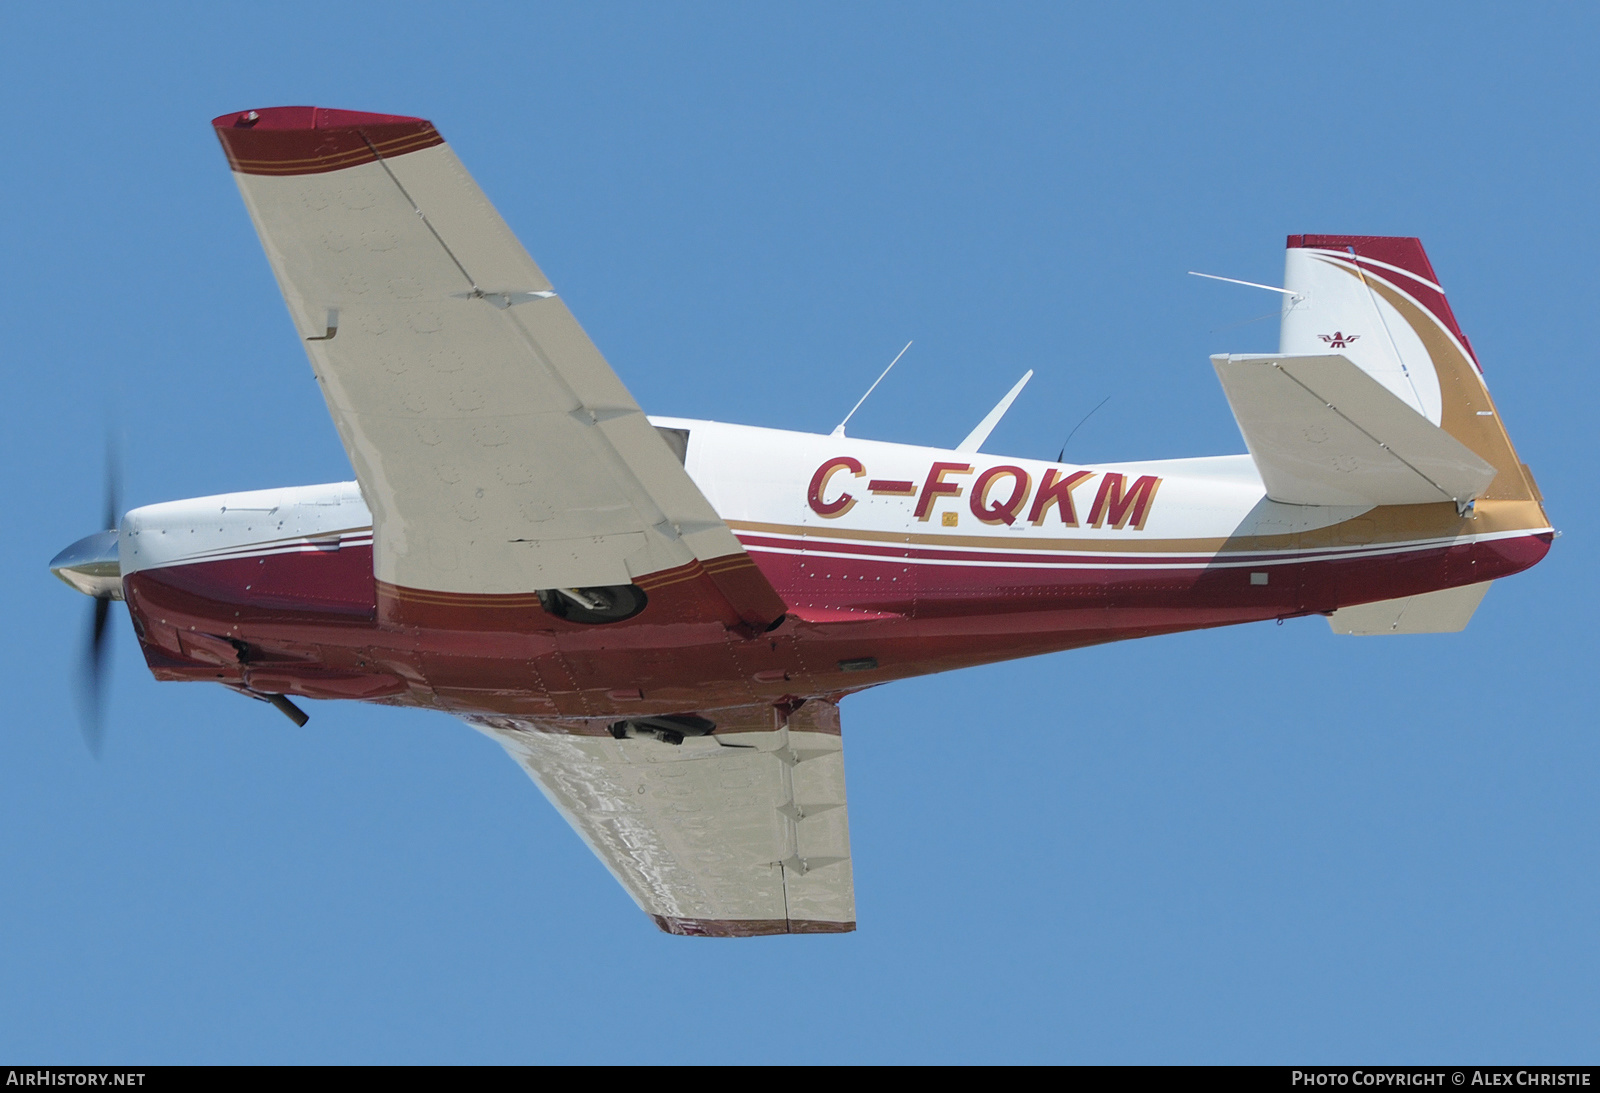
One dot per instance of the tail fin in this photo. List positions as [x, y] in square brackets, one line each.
[1376, 300]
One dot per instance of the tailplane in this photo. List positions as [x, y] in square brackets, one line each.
[1375, 398]
[1446, 611]
[1324, 432]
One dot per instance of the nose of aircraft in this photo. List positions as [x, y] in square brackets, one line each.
[91, 565]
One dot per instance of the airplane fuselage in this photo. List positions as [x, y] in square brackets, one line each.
[894, 560]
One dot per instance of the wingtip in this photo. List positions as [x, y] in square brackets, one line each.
[748, 927]
[304, 140]
[307, 117]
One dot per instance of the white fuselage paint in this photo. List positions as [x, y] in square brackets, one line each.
[762, 477]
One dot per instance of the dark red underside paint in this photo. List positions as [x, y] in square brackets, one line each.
[304, 624]
[748, 927]
[308, 140]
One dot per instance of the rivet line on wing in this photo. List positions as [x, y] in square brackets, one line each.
[641, 501]
[421, 215]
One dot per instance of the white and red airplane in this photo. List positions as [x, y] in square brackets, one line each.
[658, 617]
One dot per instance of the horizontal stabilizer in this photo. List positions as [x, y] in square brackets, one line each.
[1444, 612]
[1323, 432]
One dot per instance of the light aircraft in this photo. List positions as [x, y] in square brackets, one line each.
[657, 617]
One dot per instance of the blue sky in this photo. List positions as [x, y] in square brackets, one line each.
[1260, 844]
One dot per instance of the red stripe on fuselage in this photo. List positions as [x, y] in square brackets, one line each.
[1103, 559]
[314, 610]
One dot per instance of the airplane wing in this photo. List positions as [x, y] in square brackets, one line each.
[735, 834]
[498, 451]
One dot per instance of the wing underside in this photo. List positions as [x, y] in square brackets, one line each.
[740, 833]
[498, 451]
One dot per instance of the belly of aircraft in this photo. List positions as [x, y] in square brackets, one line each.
[301, 620]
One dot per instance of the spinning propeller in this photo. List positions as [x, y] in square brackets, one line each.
[91, 565]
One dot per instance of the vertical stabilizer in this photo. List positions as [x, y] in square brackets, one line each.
[1376, 301]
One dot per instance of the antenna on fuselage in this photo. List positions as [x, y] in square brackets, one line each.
[840, 430]
[976, 438]
[1078, 426]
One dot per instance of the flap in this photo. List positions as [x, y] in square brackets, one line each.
[1323, 432]
[734, 834]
